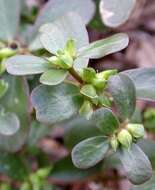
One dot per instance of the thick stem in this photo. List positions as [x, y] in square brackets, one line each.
[75, 75]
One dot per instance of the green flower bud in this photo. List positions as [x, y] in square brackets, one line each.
[88, 74]
[86, 109]
[7, 52]
[55, 60]
[125, 138]
[136, 130]
[114, 143]
[99, 83]
[106, 74]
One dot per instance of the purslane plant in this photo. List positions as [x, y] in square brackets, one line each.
[90, 93]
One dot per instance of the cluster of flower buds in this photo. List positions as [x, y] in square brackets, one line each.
[126, 136]
[64, 58]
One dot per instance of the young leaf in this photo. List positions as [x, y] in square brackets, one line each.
[90, 151]
[56, 103]
[136, 164]
[9, 19]
[54, 36]
[9, 124]
[106, 121]
[116, 12]
[53, 76]
[89, 91]
[26, 65]
[123, 91]
[55, 9]
[144, 80]
[105, 47]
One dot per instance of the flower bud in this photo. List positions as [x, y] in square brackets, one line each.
[106, 74]
[125, 138]
[114, 143]
[86, 109]
[7, 52]
[99, 83]
[66, 61]
[136, 130]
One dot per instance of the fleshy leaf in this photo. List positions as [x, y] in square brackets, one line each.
[55, 9]
[106, 121]
[16, 100]
[124, 94]
[144, 80]
[9, 124]
[56, 103]
[105, 47]
[54, 36]
[26, 65]
[53, 76]
[90, 151]
[116, 12]
[9, 19]
[150, 185]
[136, 164]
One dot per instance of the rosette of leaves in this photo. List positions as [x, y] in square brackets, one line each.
[67, 41]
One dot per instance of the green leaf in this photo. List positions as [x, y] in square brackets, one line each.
[89, 152]
[53, 76]
[116, 12]
[105, 47]
[124, 94]
[9, 19]
[54, 36]
[3, 88]
[89, 91]
[136, 164]
[12, 165]
[106, 121]
[88, 74]
[150, 185]
[79, 129]
[26, 65]
[144, 80]
[55, 9]
[9, 123]
[80, 63]
[16, 100]
[56, 103]
[65, 171]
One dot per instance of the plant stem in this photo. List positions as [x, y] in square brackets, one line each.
[75, 75]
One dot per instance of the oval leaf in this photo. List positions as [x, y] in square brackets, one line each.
[54, 36]
[56, 103]
[116, 12]
[26, 65]
[106, 121]
[9, 19]
[9, 124]
[105, 47]
[53, 76]
[90, 151]
[144, 80]
[16, 100]
[124, 94]
[136, 164]
[58, 8]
